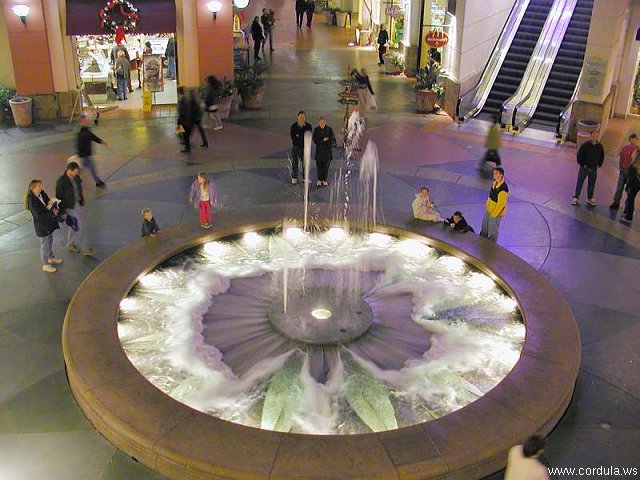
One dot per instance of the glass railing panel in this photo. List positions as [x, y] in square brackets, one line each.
[471, 102]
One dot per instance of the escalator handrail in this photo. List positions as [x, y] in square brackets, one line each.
[540, 68]
[563, 114]
[518, 11]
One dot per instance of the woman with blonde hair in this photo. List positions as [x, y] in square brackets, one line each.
[203, 195]
[44, 220]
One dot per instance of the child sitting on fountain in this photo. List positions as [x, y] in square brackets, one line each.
[149, 226]
[458, 223]
[424, 209]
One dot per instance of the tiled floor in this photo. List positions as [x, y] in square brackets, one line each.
[587, 254]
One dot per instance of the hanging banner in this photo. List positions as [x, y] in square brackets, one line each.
[437, 38]
[152, 73]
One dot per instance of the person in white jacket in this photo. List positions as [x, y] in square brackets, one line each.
[424, 209]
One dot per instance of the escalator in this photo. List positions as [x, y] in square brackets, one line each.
[515, 63]
[566, 68]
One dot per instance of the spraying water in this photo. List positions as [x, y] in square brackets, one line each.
[378, 332]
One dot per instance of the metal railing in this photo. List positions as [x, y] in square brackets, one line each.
[562, 124]
[522, 105]
[472, 101]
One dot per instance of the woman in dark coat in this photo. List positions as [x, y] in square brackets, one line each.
[258, 37]
[324, 139]
[44, 221]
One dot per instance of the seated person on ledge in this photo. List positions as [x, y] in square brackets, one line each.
[423, 209]
[458, 223]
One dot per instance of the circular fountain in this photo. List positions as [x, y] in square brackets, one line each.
[359, 342]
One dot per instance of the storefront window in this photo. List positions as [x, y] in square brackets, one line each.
[635, 100]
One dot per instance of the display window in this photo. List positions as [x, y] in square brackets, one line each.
[151, 68]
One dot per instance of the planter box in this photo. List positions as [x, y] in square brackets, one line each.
[225, 106]
[426, 100]
[21, 109]
[253, 100]
[328, 17]
[341, 19]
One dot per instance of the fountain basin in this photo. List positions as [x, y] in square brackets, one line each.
[179, 442]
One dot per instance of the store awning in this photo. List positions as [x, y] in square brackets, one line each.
[156, 16]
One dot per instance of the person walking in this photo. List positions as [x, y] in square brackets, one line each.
[258, 37]
[297, 131]
[423, 208]
[267, 26]
[196, 117]
[184, 120]
[493, 144]
[212, 100]
[301, 6]
[523, 462]
[44, 221]
[84, 148]
[633, 185]
[590, 158]
[324, 139]
[123, 75]
[69, 191]
[310, 7]
[383, 39]
[114, 56]
[170, 54]
[626, 156]
[496, 206]
[203, 195]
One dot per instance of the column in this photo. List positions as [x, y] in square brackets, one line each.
[215, 40]
[7, 77]
[29, 49]
[187, 41]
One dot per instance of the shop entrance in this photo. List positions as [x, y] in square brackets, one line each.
[151, 64]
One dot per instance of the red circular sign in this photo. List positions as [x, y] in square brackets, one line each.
[437, 38]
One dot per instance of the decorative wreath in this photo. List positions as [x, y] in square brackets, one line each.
[127, 13]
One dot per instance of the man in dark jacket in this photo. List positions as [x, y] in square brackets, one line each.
[84, 148]
[310, 8]
[69, 191]
[383, 39]
[185, 120]
[324, 140]
[196, 116]
[258, 37]
[170, 53]
[301, 6]
[590, 158]
[633, 186]
[267, 26]
[298, 129]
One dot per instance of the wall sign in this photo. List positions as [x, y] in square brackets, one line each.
[437, 38]
[594, 71]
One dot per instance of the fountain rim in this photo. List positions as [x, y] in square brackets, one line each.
[180, 442]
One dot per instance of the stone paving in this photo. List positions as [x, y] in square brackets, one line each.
[589, 256]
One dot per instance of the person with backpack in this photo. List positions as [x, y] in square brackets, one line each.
[123, 72]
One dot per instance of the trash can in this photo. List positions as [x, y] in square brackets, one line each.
[21, 109]
[585, 127]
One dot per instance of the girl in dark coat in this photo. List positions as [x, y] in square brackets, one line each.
[258, 37]
[44, 221]
[324, 140]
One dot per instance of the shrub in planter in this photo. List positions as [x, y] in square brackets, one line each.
[6, 94]
[427, 89]
[250, 82]
[395, 63]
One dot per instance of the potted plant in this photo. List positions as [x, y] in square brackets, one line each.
[250, 82]
[329, 14]
[341, 18]
[395, 63]
[6, 94]
[226, 98]
[427, 89]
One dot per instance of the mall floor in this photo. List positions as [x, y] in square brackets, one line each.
[588, 255]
